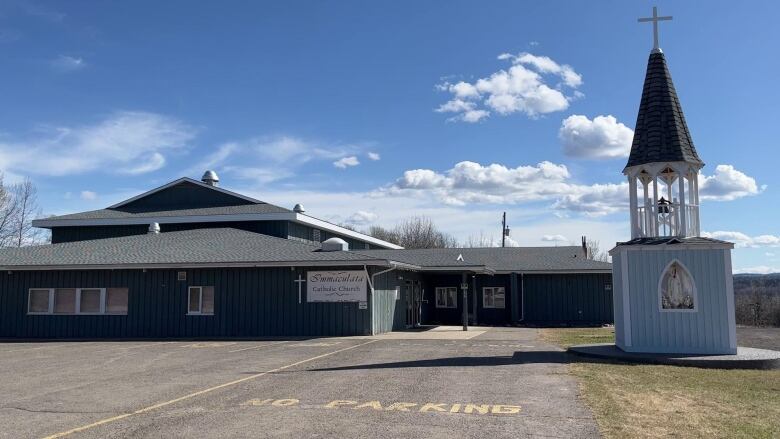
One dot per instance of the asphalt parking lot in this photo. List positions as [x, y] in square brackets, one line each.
[500, 383]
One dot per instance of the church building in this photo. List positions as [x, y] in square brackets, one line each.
[192, 259]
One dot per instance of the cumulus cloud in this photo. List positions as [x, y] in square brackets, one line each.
[346, 162]
[361, 218]
[524, 87]
[64, 63]
[743, 240]
[554, 238]
[727, 184]
[88, 195]
[373, 156]
[126, 142]
[601, 138]
[472, 183]
[760, 269]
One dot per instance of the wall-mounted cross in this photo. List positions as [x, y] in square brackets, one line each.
[300, 282]
[655, 19]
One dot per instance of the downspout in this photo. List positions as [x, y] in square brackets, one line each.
[522, 299]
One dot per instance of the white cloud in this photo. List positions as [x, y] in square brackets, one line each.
[601, 138]
[743, 240]
[522, 88]
[272, 158]
[770, 254]
[469, 183]
[126, 142]
[345, 162]
[373, 156]
[761, 269]
[64, 63]
[88, 195]
[727, 184]
[554, 238]
[361, 218]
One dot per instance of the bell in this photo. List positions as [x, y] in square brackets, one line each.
[663, 205]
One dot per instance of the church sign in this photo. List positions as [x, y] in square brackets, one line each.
[336, 286]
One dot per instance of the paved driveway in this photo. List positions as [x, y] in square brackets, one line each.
[500, 383]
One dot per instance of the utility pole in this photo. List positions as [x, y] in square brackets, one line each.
[504, 230]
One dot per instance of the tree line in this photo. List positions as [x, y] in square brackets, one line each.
[18, 207]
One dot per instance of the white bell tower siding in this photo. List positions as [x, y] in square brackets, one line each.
[664, 200]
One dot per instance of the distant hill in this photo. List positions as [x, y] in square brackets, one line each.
[748, 283]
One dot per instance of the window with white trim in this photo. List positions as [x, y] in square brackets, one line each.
[493, 297]
[200, 301]
[73, 301]
[446, 297]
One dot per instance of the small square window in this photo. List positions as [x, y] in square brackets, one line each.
[39, 301]
[200, 301]
[116, 301]
[182, 275]
[89, 302]
[65, 301]
[446, 297]
[493, 297]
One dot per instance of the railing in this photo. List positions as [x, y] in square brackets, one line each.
[665, 220]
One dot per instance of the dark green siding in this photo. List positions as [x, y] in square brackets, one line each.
[249, 302]
[184, 195]
[82, 233]
[567, 298]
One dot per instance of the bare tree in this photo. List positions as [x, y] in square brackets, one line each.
[594, 252]
[8, 209]
[25, 209]
[480, 241]
[415, 232]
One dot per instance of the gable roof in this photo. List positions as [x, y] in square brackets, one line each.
[661, 133]
[198, 247]
[179, 181]
[499, 259]
[221, 247]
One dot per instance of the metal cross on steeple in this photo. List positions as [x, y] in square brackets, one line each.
[655, 19]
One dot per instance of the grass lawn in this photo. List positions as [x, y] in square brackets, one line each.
[655, 401]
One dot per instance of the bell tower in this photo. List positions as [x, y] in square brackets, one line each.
[673, 289]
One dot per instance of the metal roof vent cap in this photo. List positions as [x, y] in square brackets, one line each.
[154, 228]
[299, 208]
[210, 178]
[334, 245]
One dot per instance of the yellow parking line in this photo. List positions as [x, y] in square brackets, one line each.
[258, 347]
[198, 393]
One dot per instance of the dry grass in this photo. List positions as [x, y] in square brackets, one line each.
[666, 401]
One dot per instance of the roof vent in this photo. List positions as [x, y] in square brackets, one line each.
[334, 245]
[299, 208]
[210, 178]
[154, 228]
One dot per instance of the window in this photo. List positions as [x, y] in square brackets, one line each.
[181, 275]
[446, 297]
[89, 303]
[39, 302]
[116, 301]
[77, 301]
[65, 301]
[200, 301]
[493, 297]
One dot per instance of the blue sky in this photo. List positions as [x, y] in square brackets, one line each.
[345, 107]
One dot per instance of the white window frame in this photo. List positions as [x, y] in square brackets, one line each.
[103, 292]
[200, 301]
[446, 291]
[493, 292]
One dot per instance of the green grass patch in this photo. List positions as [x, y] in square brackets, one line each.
[661, 401]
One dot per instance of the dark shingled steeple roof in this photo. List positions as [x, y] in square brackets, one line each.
[661, 134]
